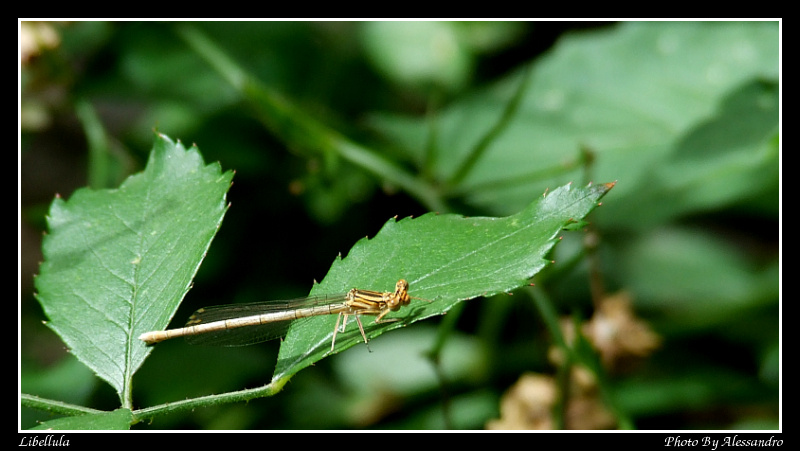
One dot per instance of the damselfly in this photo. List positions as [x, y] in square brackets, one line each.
[243, 324]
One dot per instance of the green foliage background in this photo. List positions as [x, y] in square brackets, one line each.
[684, 116]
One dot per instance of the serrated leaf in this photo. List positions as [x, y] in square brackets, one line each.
[446, 259]
[118, 262]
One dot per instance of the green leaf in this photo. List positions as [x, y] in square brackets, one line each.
[716, 279]
[119, 419]
[402, 52]
[118, 262]
[732, 157]
[446, 259]
[635, 94]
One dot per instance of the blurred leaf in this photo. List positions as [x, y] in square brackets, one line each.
[69, 381]
[118, 262]
[426, 53]
[446, 259]
[693, 386]
[632, 94]
[300, 130]
[490, 36]
[470, 410]
[729, 158]
[372, 384]
[400, 368]
[695, 278]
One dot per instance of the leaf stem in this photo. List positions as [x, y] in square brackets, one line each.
[99, 156]
[63, 408]
[212, 400]
[502, 123]
[53, 406]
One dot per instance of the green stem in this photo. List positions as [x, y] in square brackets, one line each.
[58, 407]
[211, 400]
[99, 161]
[505, 119]
[388, 171]
[434, 355]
